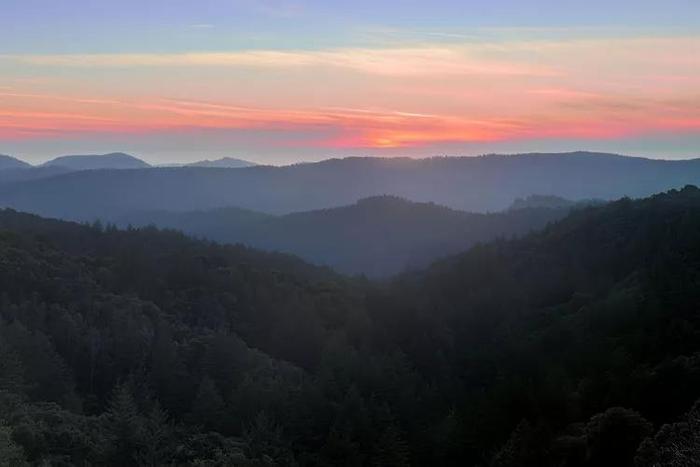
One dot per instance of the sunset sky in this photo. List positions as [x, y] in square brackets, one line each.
[290, 80]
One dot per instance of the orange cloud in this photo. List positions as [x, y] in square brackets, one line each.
[356, 128]
[382, 98]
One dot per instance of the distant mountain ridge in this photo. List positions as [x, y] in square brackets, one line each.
[26, 174]
[378, 236]
[552, 202]
[9, 162]
[223, 163]
[13, 170]
[115, 160]
[480, 184]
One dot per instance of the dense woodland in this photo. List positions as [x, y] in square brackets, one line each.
[575, 346]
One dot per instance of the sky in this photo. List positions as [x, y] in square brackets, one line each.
[283, 81]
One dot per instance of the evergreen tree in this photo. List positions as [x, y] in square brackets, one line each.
[124, 426]
[156, 438]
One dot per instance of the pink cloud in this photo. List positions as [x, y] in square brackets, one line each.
[384, 98]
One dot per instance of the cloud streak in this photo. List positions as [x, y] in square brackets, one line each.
[422, 96]
[432, 60]
[352, 128]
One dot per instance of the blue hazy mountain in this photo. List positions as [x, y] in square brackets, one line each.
[9, 162]
[14, 170]
[377, 236]
[116, 160]
[30, 173]
[479, 184]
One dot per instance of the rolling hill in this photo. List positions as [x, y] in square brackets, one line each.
[9, 162]
[116, 160]
[30, 173]
[13, 170]
[585, 335]
[480, 184]
[377, 236]
[574, 346]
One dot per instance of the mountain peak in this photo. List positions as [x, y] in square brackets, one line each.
[114, 160]
[9, 162]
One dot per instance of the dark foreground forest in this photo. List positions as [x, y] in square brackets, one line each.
[575, 346]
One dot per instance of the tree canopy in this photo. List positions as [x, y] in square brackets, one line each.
[575, 346]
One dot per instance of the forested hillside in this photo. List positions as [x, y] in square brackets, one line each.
[139, 347]
[570, 347]
[377, 237]
[547, 337]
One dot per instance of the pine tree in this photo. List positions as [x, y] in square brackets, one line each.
[156, 436]
[124, 425]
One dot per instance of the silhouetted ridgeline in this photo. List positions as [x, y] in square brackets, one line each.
[377, 236]
[223, 163]
[8, 162]
[479, 184]
[550, 202]
[31, 173]
[116, 160]
[569, 347]
[15, 170]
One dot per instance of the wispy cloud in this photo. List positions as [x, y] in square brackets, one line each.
[386, 97]
[512, 57]
[393, 61]
[350, 127]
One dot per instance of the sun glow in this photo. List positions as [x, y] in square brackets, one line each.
[382, 99]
